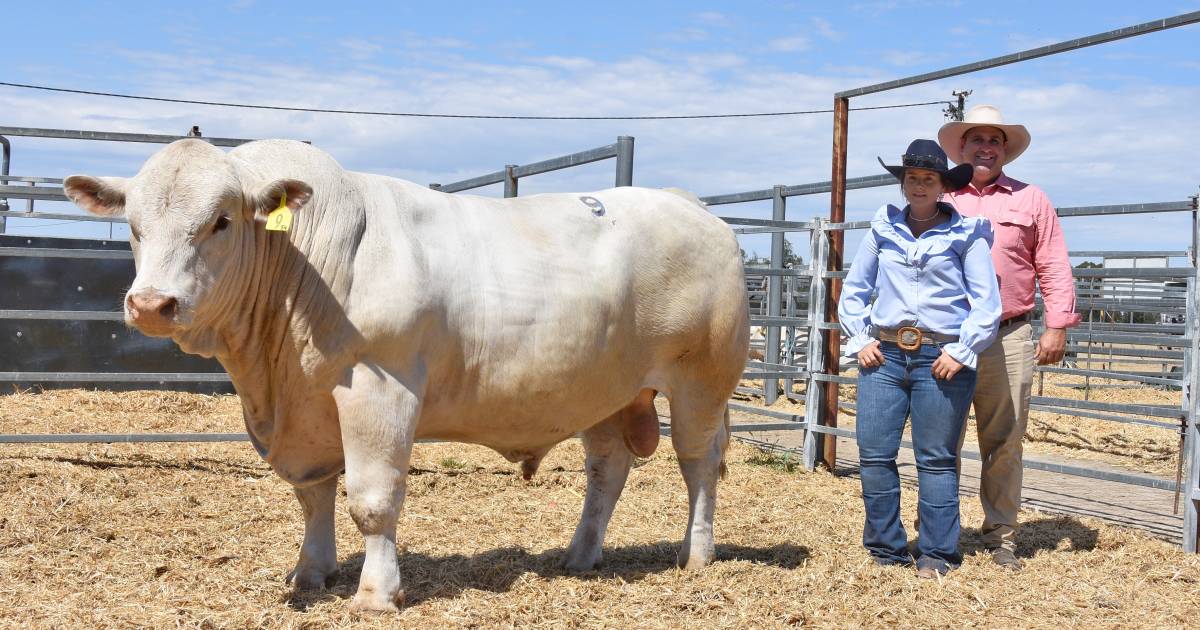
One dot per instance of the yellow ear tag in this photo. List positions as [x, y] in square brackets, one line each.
[280, 219]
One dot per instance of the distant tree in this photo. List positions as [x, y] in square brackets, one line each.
[1087, 264]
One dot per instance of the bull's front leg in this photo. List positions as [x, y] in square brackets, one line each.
[378, 413]
[318, 554]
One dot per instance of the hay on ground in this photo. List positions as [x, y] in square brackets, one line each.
[202, 535]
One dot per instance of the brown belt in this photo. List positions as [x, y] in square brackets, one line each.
[910, 338]
[1015, 319]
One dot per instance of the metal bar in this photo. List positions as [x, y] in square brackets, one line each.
[45, 193]
[1133, 340]
[114, 377]
[64, 315]
[795, 418]
[5, 177]
[778, 321]
[119, 438]
[545, 166]
[1129, 208]
[62, 252]
[793, 225]
[764, 271]
[1116, 376]
[624, 161]
[835, 378]
[765, 426]
[1033, 53]
[845, 226]
[1128, 272]
[1156, 411]
[1079, 413]
[870, 181]
[1129, 352]
[57, 215]
[1102, 253]
[775, 374]
[73, 134]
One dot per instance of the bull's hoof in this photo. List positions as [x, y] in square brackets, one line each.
[694, 561]
[375, 603]
[310, 578]
[581, 562]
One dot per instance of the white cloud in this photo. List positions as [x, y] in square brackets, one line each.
[825, 29]
[788, 44]
[712, 18]
[906, 58]
[1091, 145]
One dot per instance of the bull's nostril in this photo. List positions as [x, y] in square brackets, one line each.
[167, 310]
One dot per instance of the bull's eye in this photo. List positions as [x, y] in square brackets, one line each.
[221, 224]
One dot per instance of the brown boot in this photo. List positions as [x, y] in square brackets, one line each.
[1006, 559]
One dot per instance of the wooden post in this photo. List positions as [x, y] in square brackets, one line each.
[837, 214]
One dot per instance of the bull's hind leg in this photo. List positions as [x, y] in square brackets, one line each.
[318, 554]
[700, 434]
[378, 414]
[607, 464]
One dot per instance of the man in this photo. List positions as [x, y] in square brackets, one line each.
[1029, 246]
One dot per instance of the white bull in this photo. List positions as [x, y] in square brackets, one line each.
[391, 312]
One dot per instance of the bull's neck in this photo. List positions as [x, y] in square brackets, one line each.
[292, 323]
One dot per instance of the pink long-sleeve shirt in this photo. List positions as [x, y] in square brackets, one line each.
[1029, 246]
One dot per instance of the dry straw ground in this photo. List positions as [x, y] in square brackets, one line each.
[157, 536]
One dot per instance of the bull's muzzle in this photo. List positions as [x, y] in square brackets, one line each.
[151, 312]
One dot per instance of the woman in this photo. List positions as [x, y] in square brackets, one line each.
[937, 308]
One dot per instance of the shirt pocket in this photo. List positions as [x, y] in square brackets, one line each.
[1014, 228]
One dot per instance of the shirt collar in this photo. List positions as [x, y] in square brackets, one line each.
[1004, 183]
[896, 219]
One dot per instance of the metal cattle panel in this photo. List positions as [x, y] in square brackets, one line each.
[60, 312]
[90, 346]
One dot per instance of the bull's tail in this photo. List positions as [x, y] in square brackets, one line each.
[725, 447]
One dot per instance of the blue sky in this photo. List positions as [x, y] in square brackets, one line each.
[1115, 123]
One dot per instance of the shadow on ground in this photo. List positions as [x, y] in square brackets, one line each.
[1042, 534]
[430, 577]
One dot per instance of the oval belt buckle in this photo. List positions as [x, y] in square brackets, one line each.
[908, 338]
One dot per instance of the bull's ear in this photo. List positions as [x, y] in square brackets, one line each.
[102, 196]
[293, 192]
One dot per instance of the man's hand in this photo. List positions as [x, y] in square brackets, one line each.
[1051, 346]
[870, 356]
[945, 367]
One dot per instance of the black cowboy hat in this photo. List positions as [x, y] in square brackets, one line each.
[928, 155]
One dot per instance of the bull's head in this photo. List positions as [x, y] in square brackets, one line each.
[195, 222]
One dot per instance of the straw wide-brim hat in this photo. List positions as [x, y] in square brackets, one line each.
[950, 135]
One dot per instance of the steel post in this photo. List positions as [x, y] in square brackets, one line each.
[774, 294]
[510, 181]
[1190, 452]
[4, 163]
[624, 160]
[814, 391]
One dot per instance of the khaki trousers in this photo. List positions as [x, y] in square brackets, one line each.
[1001, 402]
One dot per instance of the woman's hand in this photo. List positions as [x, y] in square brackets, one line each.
[945, 367]
[870, 356]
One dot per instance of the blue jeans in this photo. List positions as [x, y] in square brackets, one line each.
[887, 395]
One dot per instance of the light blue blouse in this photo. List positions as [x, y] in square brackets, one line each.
[942, 281]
